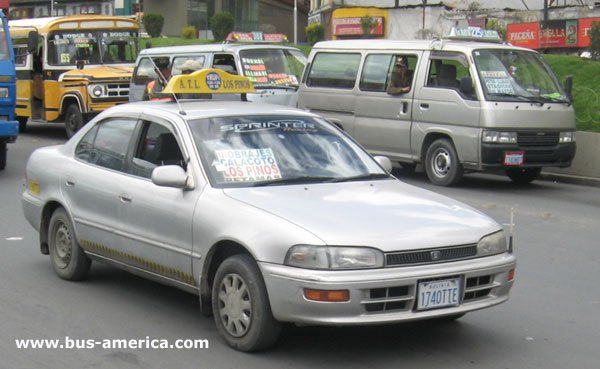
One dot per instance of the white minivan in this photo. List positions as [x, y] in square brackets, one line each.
[467, 106]
[274, 70]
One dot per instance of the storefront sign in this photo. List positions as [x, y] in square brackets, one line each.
[585, 27]
[560, 33]
[524, 35]
[352, 27]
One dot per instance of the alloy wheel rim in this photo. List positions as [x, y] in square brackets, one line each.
[235, 305]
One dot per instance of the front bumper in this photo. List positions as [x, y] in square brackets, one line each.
[561, 155]
[9, 129]
[384, 295]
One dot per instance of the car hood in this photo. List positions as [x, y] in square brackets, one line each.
[99, 73]
[387, 214]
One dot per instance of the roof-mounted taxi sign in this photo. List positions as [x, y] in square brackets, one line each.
[474, 34]
[256, 37]
[208, 81]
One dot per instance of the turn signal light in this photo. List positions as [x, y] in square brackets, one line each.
[327, 295]
[511, 275]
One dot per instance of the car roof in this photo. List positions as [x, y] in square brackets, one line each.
[198, 109]
[187, 49]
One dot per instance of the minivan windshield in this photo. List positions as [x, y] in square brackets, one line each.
[517, 75]
[273, 68]
[266, 150]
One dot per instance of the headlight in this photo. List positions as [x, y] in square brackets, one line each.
[96, 90]
[492, 244]
[333, 257]
[3, 92]
[566, 137]
[499, 137]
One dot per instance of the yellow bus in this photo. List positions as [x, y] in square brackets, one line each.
[81, 66]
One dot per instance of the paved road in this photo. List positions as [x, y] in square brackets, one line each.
[552, 320]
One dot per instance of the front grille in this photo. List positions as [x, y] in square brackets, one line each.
[388, 299]
[537, 138]
[429, 256]
[478, 287]
[117, 89]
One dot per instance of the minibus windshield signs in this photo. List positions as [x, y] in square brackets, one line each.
[273, 68]
[517, 75]
[93, 47]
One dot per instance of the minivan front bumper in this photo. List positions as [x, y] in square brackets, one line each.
[560, 155]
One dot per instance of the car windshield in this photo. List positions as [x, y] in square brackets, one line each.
[273, 68]
[93, 47]
[517, 75]
[244, 151]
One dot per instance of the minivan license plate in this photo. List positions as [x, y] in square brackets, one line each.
[513, 158]
[434, 294]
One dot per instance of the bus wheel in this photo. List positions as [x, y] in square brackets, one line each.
[441, 163]
[2, 154]
[523, 176]
[22, 123]
[73, 120]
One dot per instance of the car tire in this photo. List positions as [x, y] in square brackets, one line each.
[523, 176]
[68, 259]
[3, 154]
[241, 307]
[441, 163]
[22, 123]
[73, 120]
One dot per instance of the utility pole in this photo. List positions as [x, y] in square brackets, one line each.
[295, 21]
[424, 4]
[52, 8]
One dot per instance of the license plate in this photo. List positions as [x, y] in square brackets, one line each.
[435, 294]
[513, 158]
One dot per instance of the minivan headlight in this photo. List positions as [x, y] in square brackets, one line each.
[333, 257]
[499, 137]
[492, 244]
[566, 137]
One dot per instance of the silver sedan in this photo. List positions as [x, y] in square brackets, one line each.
[269, 214]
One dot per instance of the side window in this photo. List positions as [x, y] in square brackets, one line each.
[375, 72]
[335, 70]
[20, 55]
[157, 147]
[225, 62]
[106, 144]
[447, 69]
[383, 73]
[178, 62]
[144, 72]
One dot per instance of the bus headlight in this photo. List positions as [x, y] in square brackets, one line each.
[333, 257]
[499, 137]
[492, 244]
[566, 137]
[96, 90]
[3, 92]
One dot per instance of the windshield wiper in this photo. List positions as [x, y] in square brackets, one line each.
[520, 97]
[362, 177]
[295, 180]
[277, 87]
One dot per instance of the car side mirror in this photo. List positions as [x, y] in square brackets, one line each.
[569, 87]
[171, 176]
[385, 162]
[32, 42]
[466, 86]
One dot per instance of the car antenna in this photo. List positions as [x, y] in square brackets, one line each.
[164, 80]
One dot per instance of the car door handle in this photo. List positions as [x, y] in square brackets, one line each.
[125, 198]
[424, 106]
[70, 182]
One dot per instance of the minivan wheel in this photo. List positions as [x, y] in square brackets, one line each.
[441, 163]
[523, 175]
[68, 259]
[241, 306]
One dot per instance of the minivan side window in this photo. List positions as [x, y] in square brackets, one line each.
[144, 72]
[446, 70]
[334, 70]
[378, 68]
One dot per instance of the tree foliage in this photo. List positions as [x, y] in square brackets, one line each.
[153, 23]
[314, 33]
[498, 26]
[221, 24]
[188, 32]
[595, 40]
[367, 24]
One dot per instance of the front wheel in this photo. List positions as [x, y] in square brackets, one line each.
[3, 153]
[241, 306]
[523, 175]
[441, 163]
[68, 259]
[73, 120]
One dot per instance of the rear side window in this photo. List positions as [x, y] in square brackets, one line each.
[334, 70]
[378, 69]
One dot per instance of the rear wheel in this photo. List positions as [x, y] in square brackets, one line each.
[68, 259]
[73, 120]
[241, 306]
[441, 163]
[3, 154]
[523, 175]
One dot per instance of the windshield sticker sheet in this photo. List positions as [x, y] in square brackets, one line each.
[251, 165]
[497, 82]
[255, 69]
[285, 125]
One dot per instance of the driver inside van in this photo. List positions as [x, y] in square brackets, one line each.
[400, 80]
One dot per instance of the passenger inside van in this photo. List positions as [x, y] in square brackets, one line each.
[400, 79]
